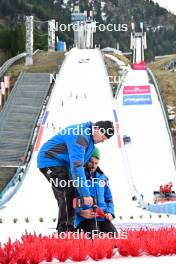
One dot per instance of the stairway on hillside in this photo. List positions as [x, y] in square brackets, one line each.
[18, 120]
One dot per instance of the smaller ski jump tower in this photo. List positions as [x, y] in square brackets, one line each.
[138, 43]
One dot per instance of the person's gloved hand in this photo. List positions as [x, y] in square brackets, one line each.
[108, 216]
[88, 214]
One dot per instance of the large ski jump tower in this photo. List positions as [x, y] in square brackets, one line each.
[84, 27]
[138, 43]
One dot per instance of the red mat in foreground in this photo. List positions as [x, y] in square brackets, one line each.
[35, 249]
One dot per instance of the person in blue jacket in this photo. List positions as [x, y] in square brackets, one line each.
[98, 220]
[62, 158]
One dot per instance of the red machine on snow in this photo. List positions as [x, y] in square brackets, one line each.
[165, 194]
[166, 188]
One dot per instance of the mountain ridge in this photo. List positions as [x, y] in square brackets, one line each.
[159, 23]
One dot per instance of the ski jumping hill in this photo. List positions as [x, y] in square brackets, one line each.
[81, 93]
[147, 145]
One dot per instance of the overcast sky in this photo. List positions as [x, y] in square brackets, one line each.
[169, 4]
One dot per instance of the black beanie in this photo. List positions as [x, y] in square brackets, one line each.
[106, 127]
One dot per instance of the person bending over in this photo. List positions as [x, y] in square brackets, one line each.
[61, 159]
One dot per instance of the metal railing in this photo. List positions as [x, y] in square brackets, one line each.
[15, 182]
[9, 62]
[121, 82]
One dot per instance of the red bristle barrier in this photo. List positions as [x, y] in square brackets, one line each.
[33, 249]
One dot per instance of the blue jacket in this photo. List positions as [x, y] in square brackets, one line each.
[99, 189]
[72, 147]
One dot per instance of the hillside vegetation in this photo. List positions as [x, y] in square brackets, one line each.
[159, 24]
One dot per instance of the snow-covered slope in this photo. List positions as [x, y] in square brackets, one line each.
[149, 155]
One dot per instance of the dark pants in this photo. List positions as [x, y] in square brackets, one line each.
[64, 193]
[90, 225]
